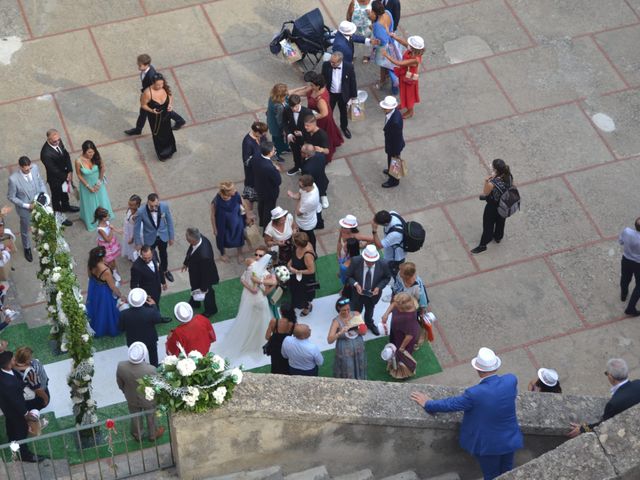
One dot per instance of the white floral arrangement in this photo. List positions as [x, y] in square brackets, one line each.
[191, 382]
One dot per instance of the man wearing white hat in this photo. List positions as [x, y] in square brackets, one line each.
[127, 375]
[367, 275]
[195, 332]
[345, 36]
[393, 137]
[139, 323]
[489, 428]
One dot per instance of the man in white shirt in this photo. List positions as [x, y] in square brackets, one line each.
[25, 185]
[303, 355]
[308, 208]
[340, 77]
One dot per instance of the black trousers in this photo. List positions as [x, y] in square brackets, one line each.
[336, 98]
[59, 199]
[264, 210]
[360, 302]
[306, 373]
[17, 429]
[629, 269]
[492, 224]
[142, 118]
[297, 154]
[210, 307]
[162, 254]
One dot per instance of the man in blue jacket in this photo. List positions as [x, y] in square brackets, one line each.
[489, 428]
[393, 136]
[345, 36]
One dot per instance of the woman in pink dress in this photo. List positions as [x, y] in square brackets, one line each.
[318, 100]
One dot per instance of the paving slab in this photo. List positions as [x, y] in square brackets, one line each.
[456, 97]
[11, 21]
[425, 184]
[46, 65]
[170, 38]
[245, 24]
[41, 115]
[558, 71]
[489, 20]
[610, 193]
[532, 144]
[581, 358]
[561, 18]
[156, 6]
[618, 44]
[515, 361]
[46, 18]
[102, 112]
[549, 212]
[219, 88]
[592, 277]
[623, 109]
[474, 311]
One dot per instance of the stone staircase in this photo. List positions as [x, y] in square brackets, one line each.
[321, 473]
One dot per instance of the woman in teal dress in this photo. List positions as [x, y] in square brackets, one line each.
[93, 191]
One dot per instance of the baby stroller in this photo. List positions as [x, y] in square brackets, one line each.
[309, 33]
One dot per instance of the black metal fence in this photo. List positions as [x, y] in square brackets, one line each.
[104, 450]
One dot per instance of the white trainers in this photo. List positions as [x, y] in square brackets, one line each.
[324, 201]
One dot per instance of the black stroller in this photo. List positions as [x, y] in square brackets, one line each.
[309, 33]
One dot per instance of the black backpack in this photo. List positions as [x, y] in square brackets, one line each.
[508, 200]
[413, 234]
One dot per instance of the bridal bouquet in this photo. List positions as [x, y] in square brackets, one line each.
[191, 382]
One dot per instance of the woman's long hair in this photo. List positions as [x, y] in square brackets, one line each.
[89, 145]
[165, 85]
[96, 254]
[502, 170]
[279, 93]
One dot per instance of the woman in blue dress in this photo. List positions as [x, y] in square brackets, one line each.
[102, 295]
[382, 24]
[228, 220]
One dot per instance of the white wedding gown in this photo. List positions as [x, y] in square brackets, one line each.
[246, 335]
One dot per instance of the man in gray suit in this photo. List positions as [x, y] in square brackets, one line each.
[127, 375]
[24, 186]
[157, 230]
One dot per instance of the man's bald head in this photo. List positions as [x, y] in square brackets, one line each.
[302, 331]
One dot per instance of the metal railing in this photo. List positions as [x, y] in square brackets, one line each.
[98, 451]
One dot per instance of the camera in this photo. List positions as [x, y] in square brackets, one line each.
[482, 198]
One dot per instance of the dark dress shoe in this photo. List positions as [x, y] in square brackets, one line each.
[479, 249]
[390, 183]
[67, 222]
[178, 125]
[632, 313]
[169, 275]
[133, 131]
[72, 209]
[385, 171]
[209, 314]
[293, 171]
[34, 459]
[347, 132]
[27, 255]
[166, 319]
[623, 296]
[373, 329]
[497, 240]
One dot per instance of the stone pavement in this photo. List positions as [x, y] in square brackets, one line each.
[514, 79]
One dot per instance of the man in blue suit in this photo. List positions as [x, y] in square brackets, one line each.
[267, 182]
[489, 429]
[157, 230]
[393, 137]
[345, 36]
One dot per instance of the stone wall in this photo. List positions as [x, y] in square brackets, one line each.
[299, 422]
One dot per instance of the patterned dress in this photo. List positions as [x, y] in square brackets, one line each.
[351, 358]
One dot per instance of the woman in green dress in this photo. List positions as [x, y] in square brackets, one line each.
[93, 191]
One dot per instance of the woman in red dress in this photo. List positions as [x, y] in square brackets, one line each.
[407, 71]
[318, 100]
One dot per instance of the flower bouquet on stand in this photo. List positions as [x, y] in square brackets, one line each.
[191, 382]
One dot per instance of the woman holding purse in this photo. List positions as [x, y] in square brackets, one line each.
[407, 71]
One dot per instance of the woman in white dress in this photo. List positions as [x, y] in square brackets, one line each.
[245, 338]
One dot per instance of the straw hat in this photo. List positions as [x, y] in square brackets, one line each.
[278, 212]
[388, 352]
[548, 376]
[370, 254]
[389, 103]
[138, 353]
[137, 297]
[486, 361]
[349, 221]
[347, 28]
[183, 312]
[416, 42]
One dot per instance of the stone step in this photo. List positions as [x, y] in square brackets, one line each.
[315, 473]
[46, 470]
[365, 474]
[407, 475]
[445, 476]
[269, 473]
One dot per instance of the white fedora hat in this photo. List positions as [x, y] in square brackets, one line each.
[486, 361]
[137, 297]
[388, 352]
[416, 42]
[349, 221]
[278, 212]
[370, 254]
[347, 28]
[183, 312]
[389, 103]
[548, 376]
[138, 353]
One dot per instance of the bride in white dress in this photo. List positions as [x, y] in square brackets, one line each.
[246, 335]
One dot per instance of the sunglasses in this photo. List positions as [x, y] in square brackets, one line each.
[346, 301]
[259, 254]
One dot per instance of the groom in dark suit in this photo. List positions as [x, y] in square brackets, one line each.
[145, 274]
[340, 78]
[146, 77]
[57, 163]
[393, 138]
[267, 182]
[203, 273]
